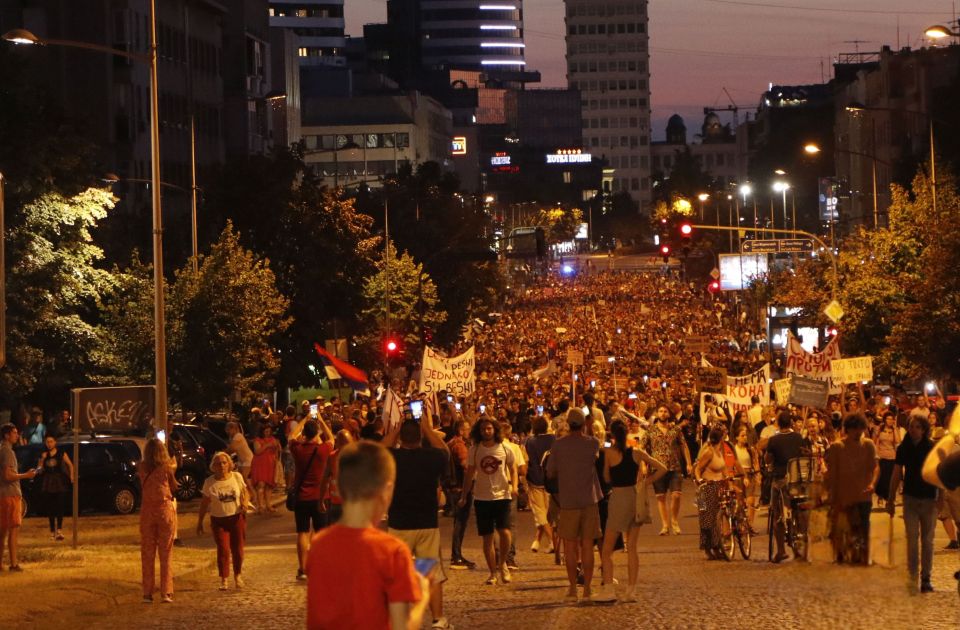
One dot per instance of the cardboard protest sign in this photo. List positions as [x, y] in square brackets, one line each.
[855, 370]
[809, 392]
[574, 357]
[711, 380]
[456, 375]
[781, 389]
[697, 343]
[813, 364]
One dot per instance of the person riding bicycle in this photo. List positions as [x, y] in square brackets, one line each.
[709, 471]
[785, 445]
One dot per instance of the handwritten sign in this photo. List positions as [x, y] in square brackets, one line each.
[455, 375]
[574, 357]
[810, 392]
[855, 370]
[711, 380]
[814, 364]
[114, 409]
[781, 388]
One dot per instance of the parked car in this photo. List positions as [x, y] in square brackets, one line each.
[107, 473]
[204, 440]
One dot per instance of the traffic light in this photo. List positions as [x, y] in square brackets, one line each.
[665, 252]
[686, 233]
[426, 335]
[714, 287]
[391, 348]
[686, 230]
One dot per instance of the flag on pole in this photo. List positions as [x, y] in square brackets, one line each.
[341, 370]
[432, 404]
[392, 410]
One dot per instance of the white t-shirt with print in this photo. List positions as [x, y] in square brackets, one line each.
[224, 494]
[493, 471]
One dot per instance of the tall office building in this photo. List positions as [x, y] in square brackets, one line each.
[319, 25]
[608, 57]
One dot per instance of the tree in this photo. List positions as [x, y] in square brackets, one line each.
[560, 224]
[222, 325]
[54, 289]
[401, 283]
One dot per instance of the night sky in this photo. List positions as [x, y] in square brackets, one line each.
[699, 47]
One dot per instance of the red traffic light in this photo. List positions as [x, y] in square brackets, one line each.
[686, 229]
[391, 346]
[665, 250]
[713, 287]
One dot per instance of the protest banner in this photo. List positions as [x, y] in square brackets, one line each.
[855, 370]
[809, 392]
[813, 364]
[574, 357]
[781, 389]
[711, 380]
[455, 375]
[697, 343]
[740, 390]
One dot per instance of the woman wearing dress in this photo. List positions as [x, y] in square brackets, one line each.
[621, 468]
[158, 518]
[263, 470]
[223, 495]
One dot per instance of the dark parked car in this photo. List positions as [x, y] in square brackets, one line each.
[108, 476]
[205, 441]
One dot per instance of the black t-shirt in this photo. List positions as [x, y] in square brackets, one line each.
[911, 456]
[784, 447]
[414, 504]
[949, 471]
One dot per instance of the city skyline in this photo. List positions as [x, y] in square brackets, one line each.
[689, 69]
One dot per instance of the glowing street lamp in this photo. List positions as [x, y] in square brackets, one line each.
[703, 198]
[939, 31]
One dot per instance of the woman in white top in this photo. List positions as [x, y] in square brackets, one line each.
[225, 495]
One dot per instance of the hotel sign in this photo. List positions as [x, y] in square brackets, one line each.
[569, 156]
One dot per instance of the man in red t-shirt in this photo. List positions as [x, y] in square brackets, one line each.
[310, 456]
[358, 576]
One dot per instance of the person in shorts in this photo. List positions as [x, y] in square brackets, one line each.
[11, 506]
[668, 447]
[491, 477]
[536, 447]
[310, 457]
[573, 462]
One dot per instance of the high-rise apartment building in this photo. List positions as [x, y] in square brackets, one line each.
[608, 61]
[319, 25]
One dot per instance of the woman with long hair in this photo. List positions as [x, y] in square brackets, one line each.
[621, 469]
[887, 438]
[158, 518]
[263, 470]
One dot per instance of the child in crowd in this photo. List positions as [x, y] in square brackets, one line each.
[357, 575]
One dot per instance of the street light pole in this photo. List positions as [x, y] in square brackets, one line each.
[21, 36]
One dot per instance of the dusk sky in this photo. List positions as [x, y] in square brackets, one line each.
[699, 47]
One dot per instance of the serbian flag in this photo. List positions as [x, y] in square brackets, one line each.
[337, 369]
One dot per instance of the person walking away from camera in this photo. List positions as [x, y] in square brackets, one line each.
[11, 501]
[919, 501]
[491, 478]
[779, 449]
[852, 472]
[573, 461]
[412, 516]
[621, 469]
[237, 445]
[224, 496]
[328, 485]
[263, 469]
[158, 518]
[518, 456]
[358, 575]
[310, 456]
[459, 450]
[56, 473]
[535, 448]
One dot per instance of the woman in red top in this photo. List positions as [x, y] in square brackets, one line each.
[263, 470]
[158, 518]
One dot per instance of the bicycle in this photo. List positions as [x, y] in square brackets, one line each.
[790, 504]
[732, 521]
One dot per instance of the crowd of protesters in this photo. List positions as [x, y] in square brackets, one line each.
[574, 445]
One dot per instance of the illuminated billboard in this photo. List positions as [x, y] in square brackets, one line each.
[737, 270]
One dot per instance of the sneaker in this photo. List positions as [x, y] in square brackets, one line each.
[461, 564]
[223, 584]
[676, 528]
[442, 623]
[505, 576]
[238, 581]
[953, 545]
[664, 531]
[59, 536]
[513, 566]
[535, 547]
[491, 581]
[301, 576]
[166, 599]
[147, 599]
[926, 587]
[605, 594]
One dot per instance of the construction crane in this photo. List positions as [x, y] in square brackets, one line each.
[732, 107]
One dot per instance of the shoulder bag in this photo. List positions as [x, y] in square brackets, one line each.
[293, 492]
